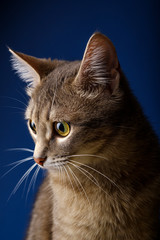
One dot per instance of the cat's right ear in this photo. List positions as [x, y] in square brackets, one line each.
[30, 69]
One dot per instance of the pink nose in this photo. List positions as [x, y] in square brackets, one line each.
[40, 161]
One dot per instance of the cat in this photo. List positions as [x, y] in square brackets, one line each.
[100, 151]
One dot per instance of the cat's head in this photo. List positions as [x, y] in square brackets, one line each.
[73, 106]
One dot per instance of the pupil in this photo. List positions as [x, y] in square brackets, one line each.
[32, 125]
[61, 127]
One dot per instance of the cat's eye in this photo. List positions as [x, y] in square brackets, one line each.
[32, 126]
[62, 128]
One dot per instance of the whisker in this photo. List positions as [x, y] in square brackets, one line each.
[14, 108]
[26, 179]
[69, 178]
[17, 164]
[63, 173]
[75, 180]
[15, 99]
[25, 183]
[33, 179]
[24, 96]
[81, 187]
[20, 161]
[84, 170]
[88, 155]
[95, 182]
[22, 179]
[98, 173]
[20, 149]
[60, 174]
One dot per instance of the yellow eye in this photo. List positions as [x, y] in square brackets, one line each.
[62, 128]
[32, 126]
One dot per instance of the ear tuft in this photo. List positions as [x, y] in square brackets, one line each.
[31, 69]
[26, 72]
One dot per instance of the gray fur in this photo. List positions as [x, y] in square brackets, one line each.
[118, 196]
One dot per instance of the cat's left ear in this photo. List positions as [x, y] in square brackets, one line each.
[99, 66]
[30, 69]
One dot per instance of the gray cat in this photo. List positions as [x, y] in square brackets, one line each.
[102, 156]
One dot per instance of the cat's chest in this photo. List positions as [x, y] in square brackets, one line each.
[82, 216]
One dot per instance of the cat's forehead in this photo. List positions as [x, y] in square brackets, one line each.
[52, 96]
[62, 72]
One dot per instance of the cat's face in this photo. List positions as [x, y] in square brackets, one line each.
[72, 104]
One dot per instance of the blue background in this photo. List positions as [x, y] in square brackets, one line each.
[61, 29]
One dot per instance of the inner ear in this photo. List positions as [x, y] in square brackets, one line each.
[31, 69]
[99, 64]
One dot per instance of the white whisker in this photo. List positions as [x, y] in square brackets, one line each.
[69, 178]
[25, 183]
[24, 97]
[81, 187]
[94, 181]
[17, 164]
[88, 155]
[75, 180]
[22, 179]
[20, 149]
[20, 161]
[19, 108]
[33, 180]
[87, 172]
[98, 173]
[60, 174]
[15, 99]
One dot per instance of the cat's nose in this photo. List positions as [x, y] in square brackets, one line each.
[40, 161]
